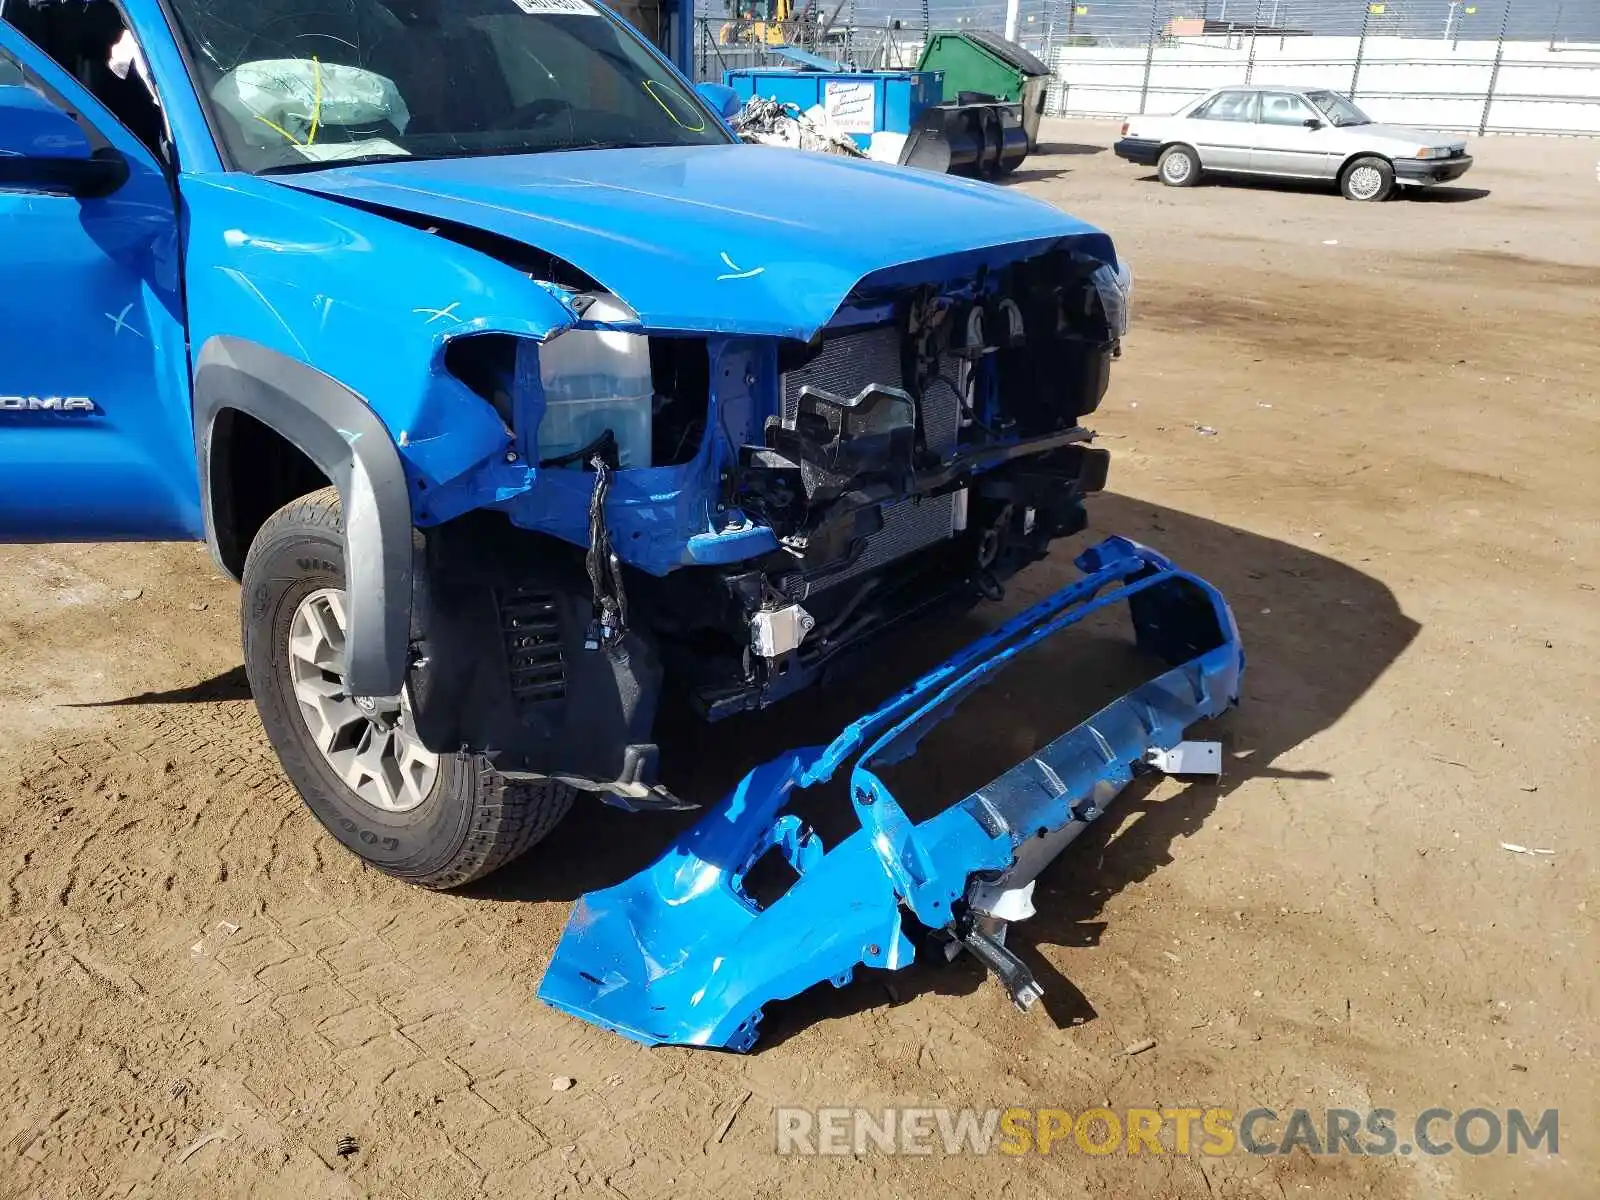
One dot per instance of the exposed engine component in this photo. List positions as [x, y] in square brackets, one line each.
[849, 443]
[917, 453]
[779, 631]
[969, 355]
[835, 476]
[853, 358]
[605, 571]
[924, 338]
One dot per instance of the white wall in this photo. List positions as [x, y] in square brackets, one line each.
[1412, 81]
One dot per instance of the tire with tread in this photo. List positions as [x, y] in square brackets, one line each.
[1170, 166]
[473, 821]
[1357, 178]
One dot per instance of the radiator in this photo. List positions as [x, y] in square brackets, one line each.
[845, 365]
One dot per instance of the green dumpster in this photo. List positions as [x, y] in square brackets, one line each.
[989, 65]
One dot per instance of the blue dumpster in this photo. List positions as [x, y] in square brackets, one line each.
[859, 103]
[971, 135]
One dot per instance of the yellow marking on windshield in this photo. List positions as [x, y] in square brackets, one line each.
[274, 125]
[316, 103]
[316, 111]
[650, 87]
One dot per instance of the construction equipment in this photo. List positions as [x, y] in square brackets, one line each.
[767, 23]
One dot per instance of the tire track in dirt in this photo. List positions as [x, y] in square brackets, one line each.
[301, 999]
[219, 963]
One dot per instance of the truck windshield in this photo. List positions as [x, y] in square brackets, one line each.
[1337, 109]
[298, 84]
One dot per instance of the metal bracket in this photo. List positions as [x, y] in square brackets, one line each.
[1010, 970]
[1188, 758]
[778, 631]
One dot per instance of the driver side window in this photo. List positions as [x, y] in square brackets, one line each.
[92, 43]
[13, 73]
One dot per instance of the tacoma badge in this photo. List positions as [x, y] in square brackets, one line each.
[60, 404]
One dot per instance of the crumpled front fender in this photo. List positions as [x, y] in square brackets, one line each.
[367, 301]
[682, 954]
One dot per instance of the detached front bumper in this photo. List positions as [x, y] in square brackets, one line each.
[1430, 170]
[681, 954]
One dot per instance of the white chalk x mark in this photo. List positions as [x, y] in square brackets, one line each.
[119, 322]
[448, 312]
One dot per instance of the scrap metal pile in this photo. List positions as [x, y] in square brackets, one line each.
[772, 123]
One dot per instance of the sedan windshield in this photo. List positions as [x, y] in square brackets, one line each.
[1337, 109]
[297, 84]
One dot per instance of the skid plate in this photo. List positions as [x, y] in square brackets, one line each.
[680, 954]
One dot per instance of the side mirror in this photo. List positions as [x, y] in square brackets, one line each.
[724, 101]
[42, 149]
[1313, 123]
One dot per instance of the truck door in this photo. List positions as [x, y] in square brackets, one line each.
[96, 435]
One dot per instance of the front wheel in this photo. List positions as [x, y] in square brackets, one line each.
[438, 820]
[1368, 179]
[1179, 166]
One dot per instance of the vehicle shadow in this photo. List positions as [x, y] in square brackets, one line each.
[1031, 174]
[1444, 195]
[230, 685]
[1317, 634]
[1069, 148]
[1438, 194]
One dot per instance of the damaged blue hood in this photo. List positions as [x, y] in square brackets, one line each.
[721, 239]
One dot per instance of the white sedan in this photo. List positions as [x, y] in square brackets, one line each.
[1291, 133]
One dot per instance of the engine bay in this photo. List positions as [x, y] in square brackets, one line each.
[782, 505]
[900, 394]
[925, 447]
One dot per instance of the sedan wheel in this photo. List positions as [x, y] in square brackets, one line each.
[1179, 167]
[1367, 179]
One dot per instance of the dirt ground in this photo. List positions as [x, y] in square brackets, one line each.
[1374, 426]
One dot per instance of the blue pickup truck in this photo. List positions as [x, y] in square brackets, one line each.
[523, 398]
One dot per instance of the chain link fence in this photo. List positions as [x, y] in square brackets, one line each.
[1138, 22]
[724, 43]
[1482, 66]
[1449, 64]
